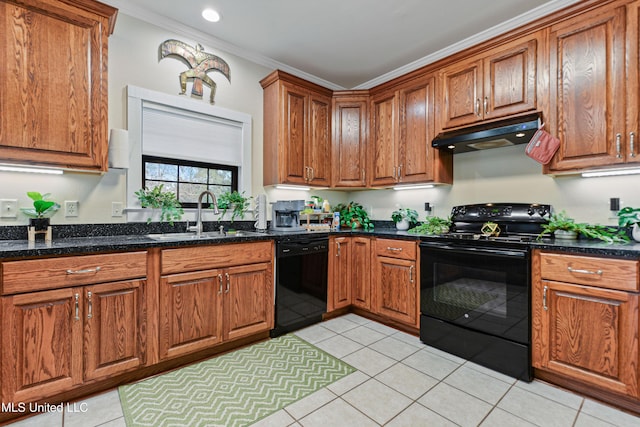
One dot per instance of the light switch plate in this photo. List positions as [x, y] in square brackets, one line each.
[8, 208]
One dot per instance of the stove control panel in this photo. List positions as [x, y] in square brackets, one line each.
[510, 212]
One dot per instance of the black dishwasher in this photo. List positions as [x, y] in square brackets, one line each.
[301, 282]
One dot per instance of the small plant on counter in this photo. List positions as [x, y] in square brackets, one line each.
[42, 208]
[630, 217]
[353, 215]
[235, 201]
[408, 214]
[433, 225]
[561, 221]
[166, 201]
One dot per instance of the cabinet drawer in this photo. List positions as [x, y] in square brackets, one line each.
[585, 270]
[181, 260]
[402, 249]
[52, 273]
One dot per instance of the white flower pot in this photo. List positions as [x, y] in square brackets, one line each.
[635, 232]
[566, 235]
[402, 225]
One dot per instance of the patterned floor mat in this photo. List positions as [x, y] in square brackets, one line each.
[235, 389]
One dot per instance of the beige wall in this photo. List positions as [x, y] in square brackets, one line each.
[504, 174]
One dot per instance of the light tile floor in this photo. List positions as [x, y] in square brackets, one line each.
[399, 382]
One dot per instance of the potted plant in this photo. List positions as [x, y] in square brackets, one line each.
[404, 217]
[433, 225]
[41, 212]
[630, 217]
[235, 201]
[166, 201]
[353, 215]
[564, 227]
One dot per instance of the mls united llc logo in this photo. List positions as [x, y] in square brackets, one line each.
[22, 407]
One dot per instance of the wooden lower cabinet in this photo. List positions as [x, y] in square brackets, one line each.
[54, 341]
[585, 333]
[349, 273]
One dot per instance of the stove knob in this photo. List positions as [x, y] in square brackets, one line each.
[531, 211]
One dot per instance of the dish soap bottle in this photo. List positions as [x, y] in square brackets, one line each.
[326, 207]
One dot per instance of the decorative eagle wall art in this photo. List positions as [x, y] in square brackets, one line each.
[199, 61]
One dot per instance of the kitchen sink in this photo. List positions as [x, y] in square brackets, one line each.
[204, 235]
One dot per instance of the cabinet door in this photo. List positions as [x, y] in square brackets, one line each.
[416, 159]
[462, 90]
[632, 146]
[349, 143]
[319, 142]
[53, 108]
[248, 300]
[361, 272]
[396, 290]
[113, 328]
[41, 344]
[587, 57]
[510, 80]
[191, 315]
[340, 267]
[383, 161]
[295, 105]
[587, 333]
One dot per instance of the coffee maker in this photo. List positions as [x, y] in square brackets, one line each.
[285, 215]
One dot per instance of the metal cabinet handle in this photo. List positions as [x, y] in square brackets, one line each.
[85, 271]
[486, 105]
[338, 252]
[77, 299]
[219, 284]
[632, 143]
[477, 109]
[364, 175]
[389, 248]
[544, 298]
[576, 270]
[618, 146]
[226, 291]
[411, 268]
[400, 172]
[394, 173]
[90, 306]
[313, 173]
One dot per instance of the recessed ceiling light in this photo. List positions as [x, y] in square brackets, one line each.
[211, 15]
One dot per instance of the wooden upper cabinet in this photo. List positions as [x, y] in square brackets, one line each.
[53, 62]
[631, 146]
[587, 89]
[498, 83]
[297, 131]
[383, 161]
[349, 146]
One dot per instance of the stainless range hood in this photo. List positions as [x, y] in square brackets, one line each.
[493, 135]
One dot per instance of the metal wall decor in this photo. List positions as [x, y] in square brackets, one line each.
[199, 61]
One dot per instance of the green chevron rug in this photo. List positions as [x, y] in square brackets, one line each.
[235, 389]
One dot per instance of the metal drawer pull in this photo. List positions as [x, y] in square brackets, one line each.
[77, 298]
[477, 109]
[544, 297]
[90, 310]
[389, 248]
[220, 284]
[411, 268]
[227, 290]
[486, 104]
[575, 270]
[85, 271]
[339, 249]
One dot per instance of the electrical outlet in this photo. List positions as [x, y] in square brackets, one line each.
[116, 209]
[70, 208]
[8, 208]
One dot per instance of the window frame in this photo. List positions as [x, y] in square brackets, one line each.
[181, 162]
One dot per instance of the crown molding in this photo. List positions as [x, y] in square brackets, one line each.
[482, 36]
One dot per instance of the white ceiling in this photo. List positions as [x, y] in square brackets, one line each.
[342, 44]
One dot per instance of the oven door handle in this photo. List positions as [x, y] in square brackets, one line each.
[475, 250]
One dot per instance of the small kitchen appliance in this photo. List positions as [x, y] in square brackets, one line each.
[285, 215]
[475, 285]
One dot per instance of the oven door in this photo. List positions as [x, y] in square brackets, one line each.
[484, 289]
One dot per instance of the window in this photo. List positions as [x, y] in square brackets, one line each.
[188, 179]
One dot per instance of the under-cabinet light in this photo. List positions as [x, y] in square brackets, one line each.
[29, 169]
[412, 187]
[611, 172]
[292, 187]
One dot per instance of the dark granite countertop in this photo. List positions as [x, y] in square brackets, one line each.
[84, 239]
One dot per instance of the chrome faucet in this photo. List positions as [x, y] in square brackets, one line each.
[198, 227]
